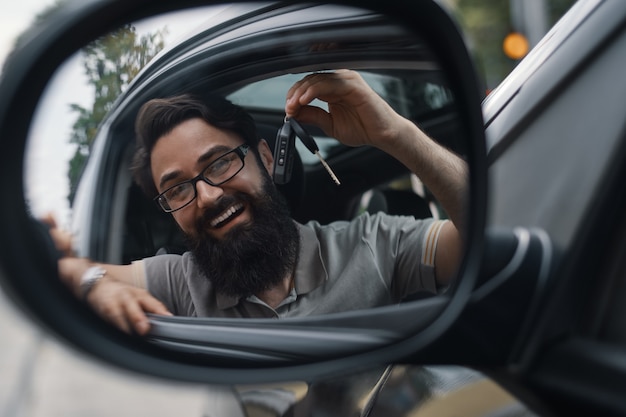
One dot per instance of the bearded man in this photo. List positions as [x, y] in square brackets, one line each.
[202, 162]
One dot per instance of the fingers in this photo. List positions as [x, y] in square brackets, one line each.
[316, 116]
[62, 241]
[133, 317]
[326, 86]
[147, 304]
[154, 306]
[356, 114]
[125, 306]
[61, 238]
[49, 220]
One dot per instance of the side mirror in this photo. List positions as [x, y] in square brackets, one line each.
[229, 350]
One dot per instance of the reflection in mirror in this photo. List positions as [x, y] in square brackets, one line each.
[391, 232]
[393, 391]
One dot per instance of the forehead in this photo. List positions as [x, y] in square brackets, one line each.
[196, 133]
[184, 146]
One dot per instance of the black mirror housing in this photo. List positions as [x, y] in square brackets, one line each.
[28, 260]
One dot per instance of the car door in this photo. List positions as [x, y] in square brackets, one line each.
[556, 151]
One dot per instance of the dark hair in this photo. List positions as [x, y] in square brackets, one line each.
[160, 116]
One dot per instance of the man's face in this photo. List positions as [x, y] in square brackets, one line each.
[184, 152]
[240, 232]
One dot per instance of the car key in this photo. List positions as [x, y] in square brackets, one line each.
[310, 144]
[284, 150]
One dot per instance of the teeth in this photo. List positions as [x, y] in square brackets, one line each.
[226, 214]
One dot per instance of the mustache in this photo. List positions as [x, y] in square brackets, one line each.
[253, 258]
[219, 207]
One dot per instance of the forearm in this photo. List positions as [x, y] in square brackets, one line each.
[118, 296]
[72, 270]
[444, 173]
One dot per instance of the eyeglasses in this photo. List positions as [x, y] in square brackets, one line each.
[216, 173]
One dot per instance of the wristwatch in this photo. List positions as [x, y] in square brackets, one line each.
[89, 279]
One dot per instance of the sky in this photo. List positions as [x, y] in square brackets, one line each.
[48, 149]
[15, 17]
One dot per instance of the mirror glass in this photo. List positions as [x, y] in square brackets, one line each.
[82, 141]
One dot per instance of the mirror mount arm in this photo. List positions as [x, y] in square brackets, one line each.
[496, 324]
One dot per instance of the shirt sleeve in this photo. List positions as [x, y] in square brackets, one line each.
[138, 274]
[430, 241]
[165, 280]
[406, 249]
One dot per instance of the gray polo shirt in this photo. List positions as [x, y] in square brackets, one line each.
[371, 261]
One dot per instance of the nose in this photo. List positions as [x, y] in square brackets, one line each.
[207, 194]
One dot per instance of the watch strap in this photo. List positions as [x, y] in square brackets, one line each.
[89, 279]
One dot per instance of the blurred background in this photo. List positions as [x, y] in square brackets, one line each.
[501, 32]
[39, 376]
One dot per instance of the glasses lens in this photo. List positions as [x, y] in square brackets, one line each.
[223, 168]
[177, 196]
[218, 172]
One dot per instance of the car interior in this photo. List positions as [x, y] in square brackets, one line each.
[371, 181]
[397, 66]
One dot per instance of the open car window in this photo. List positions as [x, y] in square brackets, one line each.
[413, 95]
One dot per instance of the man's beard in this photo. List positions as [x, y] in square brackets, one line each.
[250, 258]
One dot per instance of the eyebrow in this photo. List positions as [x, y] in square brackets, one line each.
[208, 155]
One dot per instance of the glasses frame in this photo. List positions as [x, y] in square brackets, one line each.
[241, 151]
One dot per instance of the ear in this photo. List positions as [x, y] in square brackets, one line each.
[267, 156]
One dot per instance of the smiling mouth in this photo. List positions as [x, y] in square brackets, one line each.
[227, 215]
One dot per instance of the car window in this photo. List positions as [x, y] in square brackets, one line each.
[413, 97]
[397, 91]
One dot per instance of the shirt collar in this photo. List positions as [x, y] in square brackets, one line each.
[310, 269]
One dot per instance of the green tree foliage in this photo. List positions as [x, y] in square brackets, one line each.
[556, 8]
[111, 62]
[486, 23]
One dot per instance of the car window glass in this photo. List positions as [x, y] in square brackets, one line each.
[411, 97]
[408, 97]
